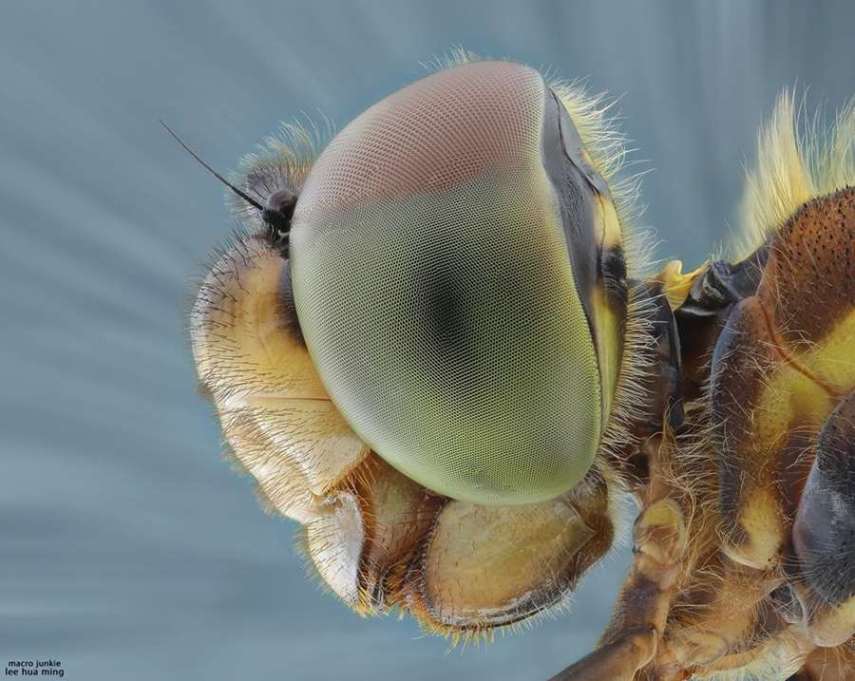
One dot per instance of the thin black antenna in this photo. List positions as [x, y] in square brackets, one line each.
[213, 172]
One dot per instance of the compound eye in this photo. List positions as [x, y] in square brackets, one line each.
[442, 257]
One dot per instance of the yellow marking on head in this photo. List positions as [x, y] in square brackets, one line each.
[609, 341]
[241, 342]
[609, 325]
[676, 284]
[609, 222]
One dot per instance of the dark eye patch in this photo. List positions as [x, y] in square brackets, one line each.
[613, 267]
[574, 182]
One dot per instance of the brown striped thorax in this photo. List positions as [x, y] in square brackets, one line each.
[436, 345]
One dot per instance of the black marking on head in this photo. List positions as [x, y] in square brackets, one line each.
[574, 193]
[575, 184]
[277, 216]
[613, 270]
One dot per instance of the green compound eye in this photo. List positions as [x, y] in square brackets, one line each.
[444, 263]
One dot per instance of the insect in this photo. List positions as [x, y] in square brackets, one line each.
[436, 344]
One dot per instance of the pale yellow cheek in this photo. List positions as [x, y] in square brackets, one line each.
[399, 513]
[305, 441]
[274, 411]
[313, 435]
[242, 341]
[366, 532]
[493, 564]
[281, 482]
[608, 222]
[334, 542]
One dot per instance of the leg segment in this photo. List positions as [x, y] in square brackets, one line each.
[632, 639]
[618, 661]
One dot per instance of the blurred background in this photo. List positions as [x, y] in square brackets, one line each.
[129, 548]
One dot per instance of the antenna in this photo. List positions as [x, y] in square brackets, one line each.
[213, 172]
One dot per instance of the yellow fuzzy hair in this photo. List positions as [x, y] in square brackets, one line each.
[607, 147]
[792, 168]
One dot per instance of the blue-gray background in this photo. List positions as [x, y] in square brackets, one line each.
[128, 547]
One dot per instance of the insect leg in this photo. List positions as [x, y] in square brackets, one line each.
[618, 661]
[631, 641]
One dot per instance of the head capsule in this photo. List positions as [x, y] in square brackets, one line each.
[458, 277]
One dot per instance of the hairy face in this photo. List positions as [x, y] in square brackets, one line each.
[414, 350]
